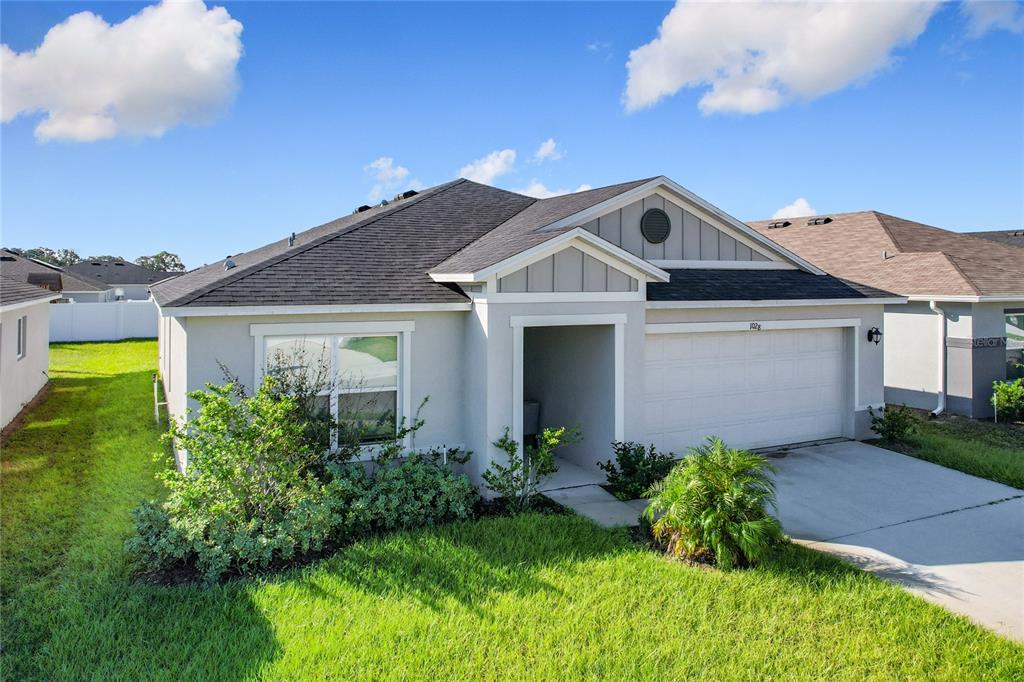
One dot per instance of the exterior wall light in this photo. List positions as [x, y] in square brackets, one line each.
[874, 335]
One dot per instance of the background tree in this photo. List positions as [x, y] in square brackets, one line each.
[162, 262]
[59, 257]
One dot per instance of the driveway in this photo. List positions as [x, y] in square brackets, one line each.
[954, 539]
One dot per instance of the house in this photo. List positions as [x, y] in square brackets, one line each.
[1011, 237]
[123, 280]
[31, 271]
[637, 311]
[961, 329]
[24, 344]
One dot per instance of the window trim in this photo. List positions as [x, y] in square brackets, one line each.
[403, 329]
[22, 341]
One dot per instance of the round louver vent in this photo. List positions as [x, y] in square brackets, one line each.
[655, 225]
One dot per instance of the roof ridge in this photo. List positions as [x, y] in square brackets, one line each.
[294, 251]
[885, 228]
[466, 246]
[956, 266]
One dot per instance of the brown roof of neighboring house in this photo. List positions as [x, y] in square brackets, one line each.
[919, 258]
[16, 266]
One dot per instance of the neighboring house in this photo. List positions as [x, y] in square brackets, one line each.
[1011, 237]
[956, 336]
[24, 344]
[70, 286]
[124, 280]
[637, 312]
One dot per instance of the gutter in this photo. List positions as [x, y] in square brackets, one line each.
[940, 408]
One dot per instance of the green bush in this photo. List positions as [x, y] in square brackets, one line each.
[712, 506]
[635, 469]
[517, 482]
[259, 491]
[895, 424]
[1008, 399]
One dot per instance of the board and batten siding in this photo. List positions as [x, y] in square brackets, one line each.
[568, 270]
[690, 238]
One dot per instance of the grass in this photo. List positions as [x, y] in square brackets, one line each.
[530, 597]
[980, 448]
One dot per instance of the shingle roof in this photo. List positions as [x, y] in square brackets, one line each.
[698, 284]
[117, 271]
[16, 266]
[15, 291]
[378, 256]
[919, 259]
[520, 232]
[1011, 237]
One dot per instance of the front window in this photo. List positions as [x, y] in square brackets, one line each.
[352, 378]
[1015, 344]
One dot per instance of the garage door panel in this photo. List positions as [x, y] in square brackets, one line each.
[751, 389]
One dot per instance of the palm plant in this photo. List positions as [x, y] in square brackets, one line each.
[712, 505]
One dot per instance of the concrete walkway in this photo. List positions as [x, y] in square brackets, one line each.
[597, 504]
[954, 539]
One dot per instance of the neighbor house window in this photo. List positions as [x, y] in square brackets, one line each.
[22, 336]
[1015, 344]
[354, 377]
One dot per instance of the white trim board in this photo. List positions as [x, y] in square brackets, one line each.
[566, 320]
[746, 326]
[218, 311]
[585, 241]
[723, 265]
[715, 215]
[28, 304]
[989, 298]
[777, 303]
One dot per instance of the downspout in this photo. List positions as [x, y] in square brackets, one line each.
[940, 408]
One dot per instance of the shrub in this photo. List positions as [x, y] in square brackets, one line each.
[518, 482]
[259, 491]
[635, 469]
[895, 424]
[712, 506]
[1008, 399]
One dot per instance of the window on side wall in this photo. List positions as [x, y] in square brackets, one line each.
[22, 345]
[1014, 344]
[354, 378]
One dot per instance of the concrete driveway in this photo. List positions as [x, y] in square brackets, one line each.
[954, 539]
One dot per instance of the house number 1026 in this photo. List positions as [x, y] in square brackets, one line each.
[755, 326]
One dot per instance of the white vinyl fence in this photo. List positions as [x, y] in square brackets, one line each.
[109, 321]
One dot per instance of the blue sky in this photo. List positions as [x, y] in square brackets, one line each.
[325, 89]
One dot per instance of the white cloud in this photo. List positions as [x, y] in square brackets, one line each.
[488, 168]
[547, 151]
[389, 177]
[169, 64]
[759, 56]
[983, 17]
[598, 46]
[540, 191]
[799, 208]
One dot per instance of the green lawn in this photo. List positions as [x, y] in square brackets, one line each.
[979, 448]
[533, 597]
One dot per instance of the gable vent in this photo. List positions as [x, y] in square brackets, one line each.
[779, 223]
[655, 225]
[819, 221]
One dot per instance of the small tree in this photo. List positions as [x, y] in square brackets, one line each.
[519, 481]
[162, 262]
[1008, 400]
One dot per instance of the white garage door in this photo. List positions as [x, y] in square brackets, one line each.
[752, 389]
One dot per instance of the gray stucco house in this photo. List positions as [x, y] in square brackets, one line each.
[963, 327]
[637, 311]
[24, 344]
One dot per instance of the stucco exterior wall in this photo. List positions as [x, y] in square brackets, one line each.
[22, 378]
[437, 369]
[911, 355]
